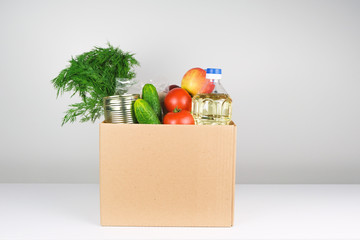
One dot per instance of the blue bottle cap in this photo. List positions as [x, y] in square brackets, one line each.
[213, 70]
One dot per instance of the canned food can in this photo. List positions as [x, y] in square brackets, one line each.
[120, 108]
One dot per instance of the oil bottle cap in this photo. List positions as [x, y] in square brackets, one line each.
[213, 70]
[213, 73]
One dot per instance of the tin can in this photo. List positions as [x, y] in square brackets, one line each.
[120, 108]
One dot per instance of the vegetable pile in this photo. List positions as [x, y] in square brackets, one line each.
[95, 74]
[177, 104]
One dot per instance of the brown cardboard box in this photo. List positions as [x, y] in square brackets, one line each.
[167, 175]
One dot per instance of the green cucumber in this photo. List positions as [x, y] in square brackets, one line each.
[150, 95]
[144, 112]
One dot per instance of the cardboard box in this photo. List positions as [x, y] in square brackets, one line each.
[167, 175]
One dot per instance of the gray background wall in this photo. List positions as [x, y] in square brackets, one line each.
[291, 67]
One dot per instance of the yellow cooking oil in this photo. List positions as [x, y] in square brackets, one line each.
[212, 109]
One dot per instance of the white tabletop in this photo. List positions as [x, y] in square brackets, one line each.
[71, 211]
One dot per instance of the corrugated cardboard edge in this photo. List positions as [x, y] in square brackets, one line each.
[234, 174]
[100, 149]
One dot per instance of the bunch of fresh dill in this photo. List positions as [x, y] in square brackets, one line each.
[93, 76]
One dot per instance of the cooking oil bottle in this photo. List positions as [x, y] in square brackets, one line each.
[212, 105]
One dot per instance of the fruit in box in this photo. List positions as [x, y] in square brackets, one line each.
[194, 81]
[179, 117]
[178, 98]
[171, 87]
[149, 94]
[144, 113]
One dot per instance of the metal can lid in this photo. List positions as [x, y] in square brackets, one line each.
[115, 99]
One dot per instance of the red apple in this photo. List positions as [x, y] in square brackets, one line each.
[194, 81]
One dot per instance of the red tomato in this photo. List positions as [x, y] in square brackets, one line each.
[179, 117]
[178, 98]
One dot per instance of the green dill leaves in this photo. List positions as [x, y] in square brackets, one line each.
[92, 75]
